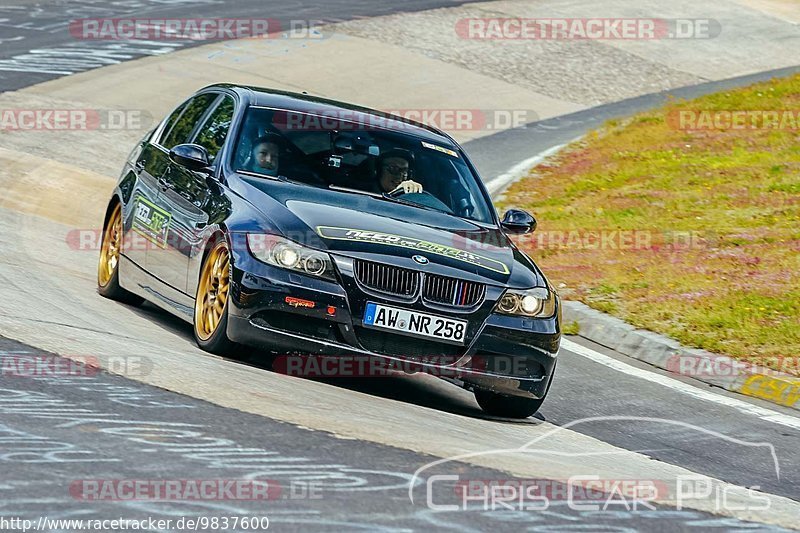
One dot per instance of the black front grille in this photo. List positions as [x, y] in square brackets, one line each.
[451, 291]
[402, 282]
[387, 279]
[404, 347]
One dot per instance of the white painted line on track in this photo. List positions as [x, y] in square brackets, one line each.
[517, 171]
[763, 413]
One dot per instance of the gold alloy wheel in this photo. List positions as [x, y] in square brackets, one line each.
[212, 292]
[109, 251]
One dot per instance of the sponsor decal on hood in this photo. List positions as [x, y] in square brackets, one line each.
[375, 237]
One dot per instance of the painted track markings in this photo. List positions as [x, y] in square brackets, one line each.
[690, 390]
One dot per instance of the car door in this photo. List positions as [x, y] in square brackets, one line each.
[171, 214]
[141, 229]
[185, 194]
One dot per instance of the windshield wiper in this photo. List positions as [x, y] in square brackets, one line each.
[263, 176]
[389, 197]
[386, 196]
[354, 191]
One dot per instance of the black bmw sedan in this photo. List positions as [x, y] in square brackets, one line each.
[301, 225]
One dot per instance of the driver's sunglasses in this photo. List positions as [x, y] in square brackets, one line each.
[397, 169]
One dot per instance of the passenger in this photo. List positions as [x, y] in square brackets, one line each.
[265, 155]
[394, 169]
[270, 157]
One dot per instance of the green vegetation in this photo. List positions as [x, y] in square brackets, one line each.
[570, 328]
[701, 226]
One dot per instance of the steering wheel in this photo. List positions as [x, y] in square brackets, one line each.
[400, 192]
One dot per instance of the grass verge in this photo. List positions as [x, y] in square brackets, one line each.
[684, 220]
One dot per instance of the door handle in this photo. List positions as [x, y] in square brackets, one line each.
[162, 181]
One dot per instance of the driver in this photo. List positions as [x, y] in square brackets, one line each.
[394, 168]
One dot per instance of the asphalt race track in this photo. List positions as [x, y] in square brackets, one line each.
[340, 454]
[99, 426]
[37, 45]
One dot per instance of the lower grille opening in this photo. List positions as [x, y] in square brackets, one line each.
[316, 328]
[506, 365]
[405, 347]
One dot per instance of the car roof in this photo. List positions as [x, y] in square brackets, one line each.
[305, 103]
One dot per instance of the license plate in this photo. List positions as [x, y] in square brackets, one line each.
[415, 323]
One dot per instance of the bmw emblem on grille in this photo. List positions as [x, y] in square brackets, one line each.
[421, 259]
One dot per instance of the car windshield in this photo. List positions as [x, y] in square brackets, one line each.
[360, 158]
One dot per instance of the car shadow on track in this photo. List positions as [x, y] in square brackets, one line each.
[418, 389]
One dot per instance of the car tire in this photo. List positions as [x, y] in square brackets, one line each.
[507, 406]
[511, 406]
[108, 265]
[210, 320]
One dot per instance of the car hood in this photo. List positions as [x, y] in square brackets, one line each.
[361, 226]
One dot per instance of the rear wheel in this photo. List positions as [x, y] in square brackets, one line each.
[108, 265]
[211, 301]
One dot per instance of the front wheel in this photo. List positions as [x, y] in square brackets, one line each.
[108, 265]
[512, 406]
[211, 301]
[507, 406]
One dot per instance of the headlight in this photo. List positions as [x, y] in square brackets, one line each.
[539, 302]
[284, 253]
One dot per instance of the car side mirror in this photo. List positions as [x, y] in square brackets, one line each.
[192, 156]
[518, 221]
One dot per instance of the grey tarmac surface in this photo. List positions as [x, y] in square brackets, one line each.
[61, 433]
[583, 388]
[36, 44]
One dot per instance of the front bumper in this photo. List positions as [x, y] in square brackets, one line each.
[508, 355]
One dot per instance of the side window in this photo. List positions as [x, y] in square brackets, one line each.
[213, 133]
[170, 122]
[192, 113]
